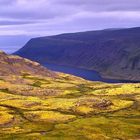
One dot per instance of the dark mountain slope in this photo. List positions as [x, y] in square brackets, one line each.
[113, 53]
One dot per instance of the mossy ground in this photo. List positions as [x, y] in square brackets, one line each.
[69, 108]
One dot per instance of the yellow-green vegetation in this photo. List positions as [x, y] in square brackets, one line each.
[67, 108]
[5, 118]
[48, 116]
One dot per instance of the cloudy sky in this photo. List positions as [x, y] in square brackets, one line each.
[31, 18]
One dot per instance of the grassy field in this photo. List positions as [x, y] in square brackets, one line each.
[67, 108]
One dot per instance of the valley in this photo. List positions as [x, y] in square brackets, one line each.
[84, 73]
[69, 69]
[57, 106]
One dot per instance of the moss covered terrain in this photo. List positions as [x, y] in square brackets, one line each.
[38, 104]
[67, 108]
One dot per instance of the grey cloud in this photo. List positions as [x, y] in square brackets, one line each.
[46, 9]
[103, 5]
[7, 22]
[56, 16]
[33, 9]
[7, 2]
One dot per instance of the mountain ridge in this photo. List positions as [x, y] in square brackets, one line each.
[113, 53]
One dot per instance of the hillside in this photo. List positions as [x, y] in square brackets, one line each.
[114, 53]
[38, 104]
[15, 65]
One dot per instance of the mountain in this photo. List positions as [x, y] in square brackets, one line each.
[114, 53]
[38, 104]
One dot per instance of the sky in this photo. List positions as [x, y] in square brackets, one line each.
[21, 20]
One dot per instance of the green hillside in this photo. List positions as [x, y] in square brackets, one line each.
[57, 106]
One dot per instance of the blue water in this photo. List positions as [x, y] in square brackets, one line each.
[83, 73]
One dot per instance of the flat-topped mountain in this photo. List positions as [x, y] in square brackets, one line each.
[114, 53]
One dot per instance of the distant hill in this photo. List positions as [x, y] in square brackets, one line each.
[113, 53]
